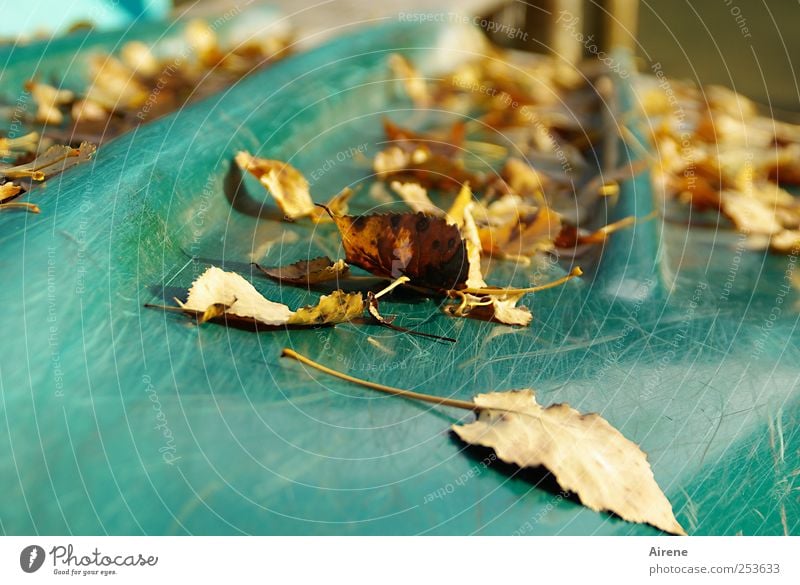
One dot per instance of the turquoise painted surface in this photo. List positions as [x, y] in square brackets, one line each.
[122, 420]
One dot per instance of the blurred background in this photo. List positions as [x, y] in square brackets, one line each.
[747, 45]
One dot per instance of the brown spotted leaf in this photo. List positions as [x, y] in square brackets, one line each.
[584, 452]
[427, 249]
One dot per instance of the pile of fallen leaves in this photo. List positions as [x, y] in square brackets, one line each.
[30, 168]
[460, 216]
[135, 86]
[140, 84]
[715, 151]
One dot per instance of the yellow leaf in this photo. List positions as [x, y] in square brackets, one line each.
[285, 183]
[48, 99]
[413, 82]
[337, 307]
[585, 453]
[416, 197]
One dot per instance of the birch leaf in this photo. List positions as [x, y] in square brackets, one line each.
[307, 272]
[285, 183]
[583, 451]
[240, 298]
[217, 293]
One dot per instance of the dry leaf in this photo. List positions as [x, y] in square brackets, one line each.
[427, 249]
[500, 307]
[585, 453]
[307, 272]
[414, 163]
[416, 197]
[56, 159]
[21, 144]
[448, 144]
[337, 205]
[48, 99]
[285, 183]
[217, 293]
[519, 229]
[114, 85]
[240, 298]
[337, 307]
[413, 82]
[523, 179]
[9, 191]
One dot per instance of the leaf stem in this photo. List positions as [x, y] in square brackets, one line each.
[464, 404]
[497, 290]
[391, 287]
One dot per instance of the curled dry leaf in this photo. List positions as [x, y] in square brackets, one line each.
[285, 183]
[217, 293]
[9, 191]
[448, 143]
[337, 205]
[21, 144]
[337, 307]
[413, 82]
[427, 249]
[48, 100]
[584, 452]
[516, 228]
[56, 159]
[413, 163]
[500, 307]
[307, 272]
